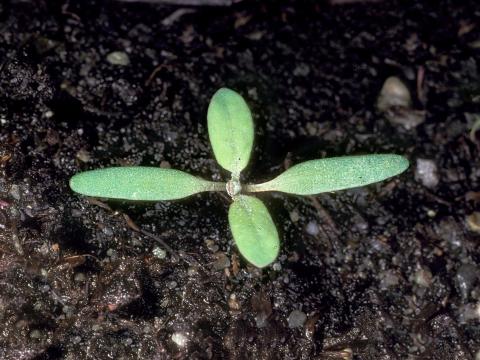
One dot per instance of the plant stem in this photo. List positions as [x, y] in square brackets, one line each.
[252, 188]
[216, 186]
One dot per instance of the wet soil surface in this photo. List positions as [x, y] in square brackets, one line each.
[388, 271]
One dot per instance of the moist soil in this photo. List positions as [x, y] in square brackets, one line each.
[387, 271]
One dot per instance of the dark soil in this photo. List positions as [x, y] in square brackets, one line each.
[388, 271]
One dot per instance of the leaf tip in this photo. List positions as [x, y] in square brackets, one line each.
[75, 183]
[399, 162]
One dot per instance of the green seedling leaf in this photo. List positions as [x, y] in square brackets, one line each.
[140, 183]
[230, 128]
[253, 230]
[331, 174]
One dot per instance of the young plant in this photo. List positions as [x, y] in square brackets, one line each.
[230, 129]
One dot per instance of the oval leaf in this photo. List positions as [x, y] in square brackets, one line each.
[253, 230]
[230, 128]
[331, 174]
[140, 183]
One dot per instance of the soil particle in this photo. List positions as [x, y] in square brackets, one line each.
[296, 319]
[388, 271]
[426, 172]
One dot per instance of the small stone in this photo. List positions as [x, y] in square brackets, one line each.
[159, 253]
[15, 192]
[214, 248]
[473, 221]
[172, 285]
[261, 320]
[36, 334]
[465, 278]
[296, 319]
[277, 266]
[406, 117]
[394, 93]
[76, 339]
[469, 312]
[233, 303]
[68, 310]
[111, 253]
[426, 172]
[107, 231]
[83, 155]
[222, 261]
[164, 164]
[312, 228]
[211, 245]
[179, 339]
[79, 277]
[423, 277]
[431, 213]
[388, 279]
[118, 58]
[192, 271]
[301, 70]
[262, 308]
[294, 216]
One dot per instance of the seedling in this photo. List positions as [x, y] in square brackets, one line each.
[230, 129]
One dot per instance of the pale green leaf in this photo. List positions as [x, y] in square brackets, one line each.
[337, 173]
[253, 230]
[230, 128]
[140, 183]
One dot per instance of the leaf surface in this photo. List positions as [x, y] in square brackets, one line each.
[139, 183]
[337, 173]
[253, 230]
[230, 129]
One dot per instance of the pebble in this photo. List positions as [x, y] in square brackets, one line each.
[465, 278]
[294, 216]
[389, 279]
[261, 320]
[212, 246]
[233, 303]
[77, 340]
[396, 103]
[159, 253]
[473, 221]
[277, 266]
[107, 231]
[111, 253]
[394, 93]
[68, 310]
[469, 312]
[83, 155]
[423, 277]
[312, 228]
[15, 192]
[296, 319]
[301, 70]
[179, 339]
[426, 172]
[172, 284]
[36, 334]
[79, 277]
[118, 58]
[221, 262]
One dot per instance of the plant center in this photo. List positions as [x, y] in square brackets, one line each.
[233, 187]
